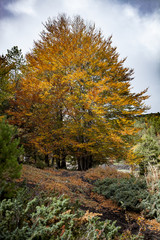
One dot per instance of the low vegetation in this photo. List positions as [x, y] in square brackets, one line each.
[50, 218]
[55, 216]
[102, 172]
[136, 194]
[151, 204]
[127, 192]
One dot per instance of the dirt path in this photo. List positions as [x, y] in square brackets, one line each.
[79, 186]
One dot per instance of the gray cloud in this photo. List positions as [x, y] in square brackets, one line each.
[136, 35]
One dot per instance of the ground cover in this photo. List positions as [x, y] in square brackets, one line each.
[79, 186]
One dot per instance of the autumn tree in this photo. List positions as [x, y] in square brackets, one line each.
[75, 96]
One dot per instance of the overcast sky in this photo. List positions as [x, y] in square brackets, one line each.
[134, 25]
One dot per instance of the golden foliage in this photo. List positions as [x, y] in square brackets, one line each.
[89, 215]
[75, 94]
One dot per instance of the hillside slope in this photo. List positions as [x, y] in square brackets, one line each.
[79, 186]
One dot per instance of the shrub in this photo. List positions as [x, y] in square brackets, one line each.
[50, 218]
[128, 192]
[151, 204]
[96, 229]
[127, 235]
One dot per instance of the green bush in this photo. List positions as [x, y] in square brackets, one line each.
[50, 218]
[128, 192]
[151, 204]
[95, 229]
[132, 194]
[7, 189]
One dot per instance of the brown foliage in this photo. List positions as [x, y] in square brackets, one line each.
[76, 186]
[104, 172]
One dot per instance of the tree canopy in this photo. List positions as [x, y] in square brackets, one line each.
[4, 79]
[11, 66]
[75, 95]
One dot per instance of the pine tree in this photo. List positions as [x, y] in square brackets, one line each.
[4, 80]
[9, 152]
[11, 67]
[16, 61]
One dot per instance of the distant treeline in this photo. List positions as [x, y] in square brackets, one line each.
[148, 115]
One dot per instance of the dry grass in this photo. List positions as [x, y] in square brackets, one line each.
[70, 184]
[104, 172]
[152, 178]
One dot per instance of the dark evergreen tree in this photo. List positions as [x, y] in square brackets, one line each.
[4, 80]
[10, 151]
[11, 68]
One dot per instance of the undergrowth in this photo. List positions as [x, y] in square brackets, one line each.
[104, 172]
[50, 217]
[151, 204]
[126, 192]
[133, 194]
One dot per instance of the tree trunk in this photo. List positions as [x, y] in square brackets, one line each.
[35, 157]
[47, 160]
[84, 162]
[52, 162]
[63, 160]
[79, 161]
[90, 162]
[58, 163]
